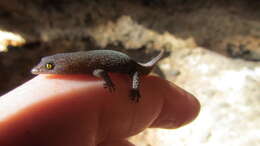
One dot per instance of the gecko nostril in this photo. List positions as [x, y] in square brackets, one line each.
[35, 71]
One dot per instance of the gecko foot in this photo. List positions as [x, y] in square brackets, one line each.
[110, 86]
[135, 95]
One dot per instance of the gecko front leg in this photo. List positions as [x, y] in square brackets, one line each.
[134, 92]
[104, 75]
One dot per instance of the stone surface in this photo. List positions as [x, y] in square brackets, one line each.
[228, 90]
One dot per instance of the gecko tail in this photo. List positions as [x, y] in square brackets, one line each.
[148, 66]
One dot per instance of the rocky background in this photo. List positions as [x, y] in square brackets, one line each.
[213, 51]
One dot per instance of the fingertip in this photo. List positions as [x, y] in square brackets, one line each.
[179, 107]
[192, 110]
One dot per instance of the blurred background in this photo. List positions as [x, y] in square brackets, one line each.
[213, 51]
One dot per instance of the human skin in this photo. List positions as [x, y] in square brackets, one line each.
[75, 110]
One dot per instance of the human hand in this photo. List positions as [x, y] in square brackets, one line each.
[52, 110]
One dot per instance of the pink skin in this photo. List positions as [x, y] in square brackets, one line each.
[52, 110]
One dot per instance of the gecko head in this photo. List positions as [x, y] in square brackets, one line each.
[49, 65]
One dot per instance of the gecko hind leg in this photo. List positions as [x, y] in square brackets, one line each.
[104, 75]
[134, 92]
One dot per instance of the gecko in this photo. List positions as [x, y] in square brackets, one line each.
[98, 63]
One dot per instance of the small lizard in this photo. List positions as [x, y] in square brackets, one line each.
[98, 63]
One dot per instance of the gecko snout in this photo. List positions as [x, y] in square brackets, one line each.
[35, 70]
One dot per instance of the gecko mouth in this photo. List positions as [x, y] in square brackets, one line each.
[38, 70]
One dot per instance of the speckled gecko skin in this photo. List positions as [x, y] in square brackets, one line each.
[98, 63]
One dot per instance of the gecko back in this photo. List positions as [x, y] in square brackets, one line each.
[86, 62]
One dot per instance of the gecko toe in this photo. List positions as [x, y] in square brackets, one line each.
[110, 87]
[135, 95]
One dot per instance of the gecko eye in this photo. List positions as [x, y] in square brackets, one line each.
[49, 66]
